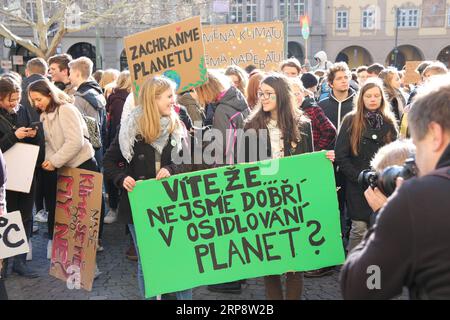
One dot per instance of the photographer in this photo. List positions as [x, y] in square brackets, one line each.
[410, 242]
[392, 154]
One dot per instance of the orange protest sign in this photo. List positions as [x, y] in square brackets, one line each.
[175, 51]
[411, 76]
[77, 221]
[260, 44]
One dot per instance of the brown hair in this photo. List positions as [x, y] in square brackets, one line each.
[289, 116]
[339, 66]
[361, 69]
[62, 60]
[375, 68]
[8, 86]
[242, 76]
[435, 68]
[211, 89]
[37, 66]
[252, 88]
[358, 124]
[387, 75]
[48, 89]
[431, 105]
[291, 62]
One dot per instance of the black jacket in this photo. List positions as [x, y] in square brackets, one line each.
[334, 108]
[9, 123]
[141, 167]
[410, 243]
[351, 165]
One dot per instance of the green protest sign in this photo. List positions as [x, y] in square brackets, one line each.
[231, 223]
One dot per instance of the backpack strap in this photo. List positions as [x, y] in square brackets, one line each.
[232, 130]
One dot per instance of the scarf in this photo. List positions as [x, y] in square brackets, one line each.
[129, 131]
[375, 119]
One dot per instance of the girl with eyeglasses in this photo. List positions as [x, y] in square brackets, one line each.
[287, 133]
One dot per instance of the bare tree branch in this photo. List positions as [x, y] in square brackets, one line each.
[41, 26]
[17, 18]
[5, 32]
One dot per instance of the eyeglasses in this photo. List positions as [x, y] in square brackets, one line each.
[265, 95]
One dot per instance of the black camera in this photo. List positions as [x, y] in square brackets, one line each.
[386, 181]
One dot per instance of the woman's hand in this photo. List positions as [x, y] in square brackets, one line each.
[163, 173]
[21, 133]
[129, 183]
[48, 166]
[31, 133]
[330, 155]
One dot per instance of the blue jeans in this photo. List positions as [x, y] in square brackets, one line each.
[181, 295]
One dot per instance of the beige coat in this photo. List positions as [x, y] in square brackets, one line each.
[66, 134]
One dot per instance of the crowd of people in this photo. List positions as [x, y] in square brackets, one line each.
[93, 120]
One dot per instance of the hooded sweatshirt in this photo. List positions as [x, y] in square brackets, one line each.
[230, 112]
[336, 110]
[323, 62]
[90, 101]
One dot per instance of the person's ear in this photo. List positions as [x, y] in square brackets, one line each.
[438, 136]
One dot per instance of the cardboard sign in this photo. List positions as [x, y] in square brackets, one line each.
[18, 60]
[20, 162]
[13, 240]
[232, 223]
[411, 76]
[175, 51]
[260, 44]
[6, 64]
[77, 221]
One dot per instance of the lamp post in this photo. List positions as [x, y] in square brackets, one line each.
[397, 16]
[286, 26]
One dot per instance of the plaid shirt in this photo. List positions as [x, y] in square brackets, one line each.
[324, 132]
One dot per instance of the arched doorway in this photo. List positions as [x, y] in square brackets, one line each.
[123, 61]
[296, 51]
[405, 53]
[444, 56]
[83, 49]
[355, 56]
[27, 56]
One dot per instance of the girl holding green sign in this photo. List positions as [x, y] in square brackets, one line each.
[143, 150]
[287, 133]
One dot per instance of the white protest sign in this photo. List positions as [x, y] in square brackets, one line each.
[13, 240]
[20, 163]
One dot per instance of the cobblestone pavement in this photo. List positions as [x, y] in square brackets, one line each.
[118, 279]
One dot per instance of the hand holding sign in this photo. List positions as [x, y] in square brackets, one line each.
[129, 183]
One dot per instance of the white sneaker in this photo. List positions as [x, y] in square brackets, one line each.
[49, 249]
[41, 216]
[97, 272]
[111, 216]
[30, 253]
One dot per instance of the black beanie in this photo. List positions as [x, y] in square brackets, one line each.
[309, 80]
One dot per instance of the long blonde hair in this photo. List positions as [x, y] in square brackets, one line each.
[149, 125]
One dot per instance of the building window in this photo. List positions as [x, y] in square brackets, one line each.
[251, 10]
[448, 17]
[296, 9]
[341, 20]
[408, 18]
[368, 19]
[31, 10]
[236, 10]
